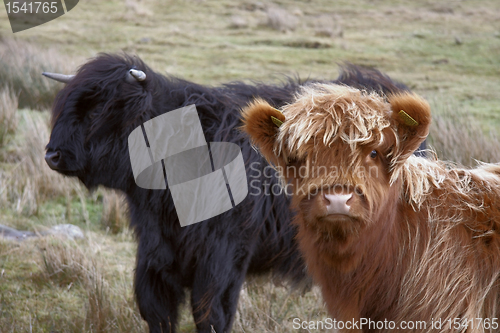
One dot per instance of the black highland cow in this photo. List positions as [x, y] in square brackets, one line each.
[92, 117]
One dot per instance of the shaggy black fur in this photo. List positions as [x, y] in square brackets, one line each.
[92, 118]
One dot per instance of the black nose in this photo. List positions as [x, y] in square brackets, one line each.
[52, 158]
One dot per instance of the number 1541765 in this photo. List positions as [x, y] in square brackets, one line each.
[31, 7]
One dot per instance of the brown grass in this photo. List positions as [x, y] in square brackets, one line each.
[115, 216]
[281, 20]
[21, 68]
[8, 120]
[90, 281]
[458, 137]
[66, 263]
[328, 26]
[109, 305]
[266, 307]
[26, 157]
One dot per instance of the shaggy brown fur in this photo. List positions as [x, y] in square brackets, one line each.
[421, 241]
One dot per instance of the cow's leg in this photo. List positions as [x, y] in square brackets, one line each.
[159, 293]
[215, 292]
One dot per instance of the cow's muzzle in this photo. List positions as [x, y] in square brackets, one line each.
[337, 204]
[53, 158]
[339, 199]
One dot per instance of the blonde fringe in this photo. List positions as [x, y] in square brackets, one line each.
[342, 102]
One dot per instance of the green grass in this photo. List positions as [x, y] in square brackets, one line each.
[447, 52]
[413, 41]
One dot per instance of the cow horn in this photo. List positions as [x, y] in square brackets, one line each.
[136, 75]
[59, 77]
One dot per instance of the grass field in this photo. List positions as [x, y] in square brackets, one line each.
[449, 52]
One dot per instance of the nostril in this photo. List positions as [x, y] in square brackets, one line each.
[337, 203]
[53, 158]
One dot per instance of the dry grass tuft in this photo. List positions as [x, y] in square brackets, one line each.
[458, 137]
[115, 216]
[266, 307]
[281, 20]
[111, 310]
[135, 9]
[109, 305]
[8, 120]
[21, 68]
[328, 26]
[238, 22]
[65, 263]
[23, 193]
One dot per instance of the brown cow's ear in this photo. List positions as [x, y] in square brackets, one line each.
[411, 115]
[261, 122]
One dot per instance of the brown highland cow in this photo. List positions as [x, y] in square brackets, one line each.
[397, 243]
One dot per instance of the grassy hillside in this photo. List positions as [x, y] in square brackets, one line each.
[450, 48]
[449, 52]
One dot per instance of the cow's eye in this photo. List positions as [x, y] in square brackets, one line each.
[373, 154]
[295, 161]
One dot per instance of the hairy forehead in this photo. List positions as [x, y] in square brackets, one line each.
[324, 116]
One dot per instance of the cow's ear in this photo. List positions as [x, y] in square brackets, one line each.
[261, 122]
[411, 115]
